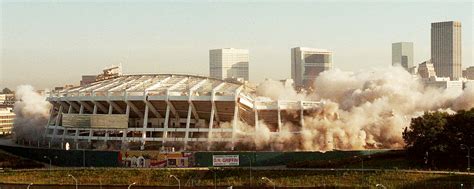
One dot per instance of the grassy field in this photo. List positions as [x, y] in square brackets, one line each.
[240, 177]
[390, 177]
[386, 160]
[8, 161]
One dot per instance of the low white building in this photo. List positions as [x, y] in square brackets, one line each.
[444, 83]
[468, 83]
[426, 70]
[7, 118]
[468, 73]
[7, 99]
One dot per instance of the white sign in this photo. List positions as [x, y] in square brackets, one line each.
[225, 160]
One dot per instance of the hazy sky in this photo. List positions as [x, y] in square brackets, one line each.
[53, 43]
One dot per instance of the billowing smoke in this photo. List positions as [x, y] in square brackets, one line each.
[279, 91]
[465, 100]
[32, 111]
[367, 109]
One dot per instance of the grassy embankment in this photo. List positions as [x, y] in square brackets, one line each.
[240, 177]
[386, 160]
[8, 161]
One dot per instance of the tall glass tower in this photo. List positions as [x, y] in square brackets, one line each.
[446, 49]
[402, 54]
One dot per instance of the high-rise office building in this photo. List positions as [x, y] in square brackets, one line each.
[229, 63]
[468, 73]
[402, 54]
[446, 49]
[426, 70]
[308, 63]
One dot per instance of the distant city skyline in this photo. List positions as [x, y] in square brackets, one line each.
[54, 43]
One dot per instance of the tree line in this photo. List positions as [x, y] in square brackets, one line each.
[6, 91]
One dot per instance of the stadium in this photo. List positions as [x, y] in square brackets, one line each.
[157, 111]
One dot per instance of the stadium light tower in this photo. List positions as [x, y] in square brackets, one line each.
[179, 182]
[250, 168]
[463, 146]
[270, 181]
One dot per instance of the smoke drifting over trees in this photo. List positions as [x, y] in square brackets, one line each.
[32, 112]
[367, 109]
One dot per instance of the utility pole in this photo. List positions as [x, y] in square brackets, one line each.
[463, 146]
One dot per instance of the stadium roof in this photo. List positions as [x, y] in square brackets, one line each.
[155, 84]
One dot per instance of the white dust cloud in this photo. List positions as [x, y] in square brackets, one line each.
[361, 110]
[32, 112]
[367, 109]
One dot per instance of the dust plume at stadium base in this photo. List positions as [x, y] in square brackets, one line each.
[358, 110]
[32, 112]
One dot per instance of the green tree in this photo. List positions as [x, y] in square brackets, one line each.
[440, 135]
[7, 91]
[460, 130]
[424, 136]
[425, 130]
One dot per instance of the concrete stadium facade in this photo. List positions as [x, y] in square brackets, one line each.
[166, 110]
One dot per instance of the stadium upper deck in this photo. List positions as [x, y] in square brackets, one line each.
[182, 111]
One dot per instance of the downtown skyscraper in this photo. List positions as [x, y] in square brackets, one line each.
[402, 54]
[308, 63]
[229, 63]
[446, 49]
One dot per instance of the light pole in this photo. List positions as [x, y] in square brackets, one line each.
[46, 157]
[28, 187]
[50, 160]
[380, 185]
[83, 157]
[463, 146]
[215, 178]
[100, 182]
[75, 180]
[250, 168]
[362, 159]
[426, 157]
[130, 186]
[265, 178]
[179, 182]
